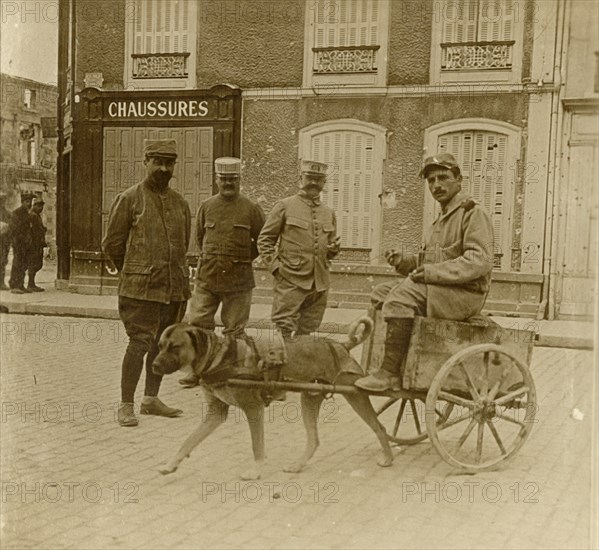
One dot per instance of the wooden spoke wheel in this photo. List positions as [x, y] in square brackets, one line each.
[495, 400]
[403, 418]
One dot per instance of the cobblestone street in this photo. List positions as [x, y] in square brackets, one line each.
[73, 478]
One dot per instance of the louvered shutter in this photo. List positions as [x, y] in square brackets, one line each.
[346, 23]
[161, 26]
[460, 21]
[495, 20]
[349, 188]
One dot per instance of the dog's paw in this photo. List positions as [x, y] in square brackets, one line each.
[385, 461]
[295, 468]
[251, 475]
[166, 469]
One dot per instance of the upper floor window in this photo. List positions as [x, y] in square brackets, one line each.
[346, 42]
[477, 40]
[29, 98]
[161, 39]
[27, 145]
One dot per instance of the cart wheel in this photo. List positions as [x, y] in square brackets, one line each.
[407, 416]
[494, 392]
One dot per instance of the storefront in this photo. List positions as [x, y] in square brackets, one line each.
[105, 156]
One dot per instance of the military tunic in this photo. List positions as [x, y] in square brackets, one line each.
[303, 229]
[458, 259]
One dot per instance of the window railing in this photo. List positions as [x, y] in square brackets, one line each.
[476, 55]
[345, 59]
[160, 65]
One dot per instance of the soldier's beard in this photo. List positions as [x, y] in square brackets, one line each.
[160, 181]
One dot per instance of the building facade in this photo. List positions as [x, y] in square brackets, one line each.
[367, 86]
[28, 141]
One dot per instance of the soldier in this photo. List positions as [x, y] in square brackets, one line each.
[38, 242]
[20, 231]
[449, 279]
[305, 230]
[147, 238]
[5, 236]
[228, 225]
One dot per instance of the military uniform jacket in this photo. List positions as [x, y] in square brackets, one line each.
[146, 238]
[303, 230]
[227, 233]
[458, 259]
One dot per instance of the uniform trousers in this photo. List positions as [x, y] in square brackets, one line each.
[144, 323]
[297, 309]
[235, 312]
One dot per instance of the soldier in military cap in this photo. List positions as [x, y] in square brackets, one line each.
[305, 230]
[21, 235]
[38, 242]
[228, 225]
[448, 279]
[147, 238]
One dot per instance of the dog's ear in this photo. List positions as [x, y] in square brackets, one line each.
[198, 339]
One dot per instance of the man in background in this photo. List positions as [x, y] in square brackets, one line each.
[21, 237]
[38, 243]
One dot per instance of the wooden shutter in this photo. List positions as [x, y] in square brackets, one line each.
[495, 20]
[161, 26]
[460, 18]
[346, 23]
[349, 188]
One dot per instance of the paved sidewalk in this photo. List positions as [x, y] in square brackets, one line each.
[562, 334]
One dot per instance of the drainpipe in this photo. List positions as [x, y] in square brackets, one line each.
[550, 267]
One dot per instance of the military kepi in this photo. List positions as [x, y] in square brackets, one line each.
[160, 148]
[314, 168]
[227, 166]
[444, 160]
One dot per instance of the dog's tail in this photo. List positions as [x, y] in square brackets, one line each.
[358, 331]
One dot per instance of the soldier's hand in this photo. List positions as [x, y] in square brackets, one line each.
[335, 245]
[418, 275]
[393, 256]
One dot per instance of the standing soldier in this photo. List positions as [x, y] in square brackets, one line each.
[20, 231]
[38, 242]
[228, 225]
[146, 238]
[4, 239]
[305, 230]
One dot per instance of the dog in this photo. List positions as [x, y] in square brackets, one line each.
[307, 359]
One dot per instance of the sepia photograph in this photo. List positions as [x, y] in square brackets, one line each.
[299, 274]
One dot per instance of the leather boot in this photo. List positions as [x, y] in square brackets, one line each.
[397, 342]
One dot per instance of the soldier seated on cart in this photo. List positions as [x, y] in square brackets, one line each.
[448, 279]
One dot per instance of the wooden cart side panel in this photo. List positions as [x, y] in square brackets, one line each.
[434, 341]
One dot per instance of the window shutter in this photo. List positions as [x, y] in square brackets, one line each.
[460, 21]
[496, 20]
[346, 23]
[349, 188]
[161, 26]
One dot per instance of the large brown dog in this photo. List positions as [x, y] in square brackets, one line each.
[308, 359]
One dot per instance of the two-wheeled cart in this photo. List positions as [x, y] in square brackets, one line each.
[465, 385]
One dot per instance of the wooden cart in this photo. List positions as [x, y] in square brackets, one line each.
[466, 385]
